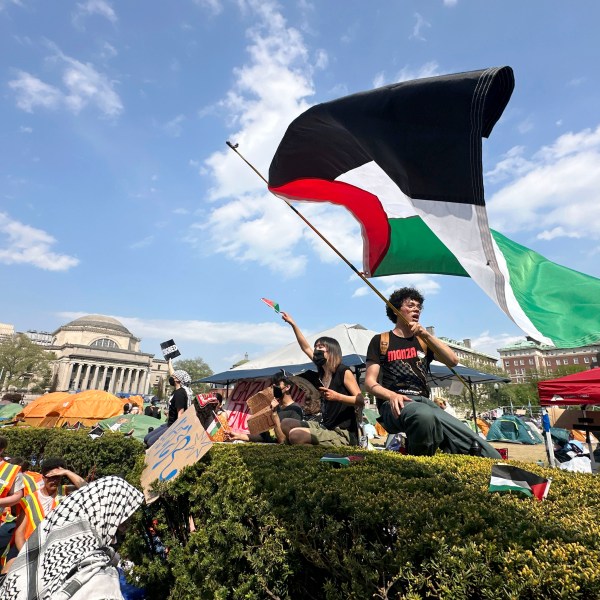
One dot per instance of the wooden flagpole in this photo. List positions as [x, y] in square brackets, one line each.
[360, 274]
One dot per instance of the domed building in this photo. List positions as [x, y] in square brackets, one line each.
[96, 352]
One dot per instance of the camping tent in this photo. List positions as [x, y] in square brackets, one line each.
[511, 429]
[579, 388]
[8, 411]
[354, 340]
[87, 407]
[125, 423]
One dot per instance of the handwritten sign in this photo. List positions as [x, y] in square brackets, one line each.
[169, 349]
[182, 445]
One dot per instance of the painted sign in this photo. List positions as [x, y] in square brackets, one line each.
[169, 349]
[182, 445]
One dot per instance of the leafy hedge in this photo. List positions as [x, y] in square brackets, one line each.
[110, 454]
[273, 522]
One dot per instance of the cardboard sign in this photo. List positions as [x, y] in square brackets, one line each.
[169, 350]
[182, 445]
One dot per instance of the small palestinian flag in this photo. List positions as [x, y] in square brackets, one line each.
[340, 460]
[506, 478]
[272, 304]
[217, 428]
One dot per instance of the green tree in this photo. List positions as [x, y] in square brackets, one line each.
[197, 369]
[23, 362]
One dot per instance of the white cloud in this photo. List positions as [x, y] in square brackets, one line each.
[512, 164]
[93, 7]
[32, 92]
[426, 284]
[143, 243]
[213, 6]
[488, 343]
[27, 245]
[525, 126]
[556, 233]
[83, 86]
[450, 2]
[420, 24]
[207, 332]
[556, 192]
[24, 129]
[428, 69]
[5, 3]
[174, 127]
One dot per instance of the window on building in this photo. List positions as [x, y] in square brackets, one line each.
[586, 360]
[594, 359]
[104, 343]
[521, 362]
[507, 363]
[565, 361]
[558, 361]
[575, 361]
[531, 361]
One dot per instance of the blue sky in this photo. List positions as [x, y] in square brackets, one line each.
[118, 195]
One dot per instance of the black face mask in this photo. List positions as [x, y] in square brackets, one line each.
[277, 392]
[171, 381]
[319, 358]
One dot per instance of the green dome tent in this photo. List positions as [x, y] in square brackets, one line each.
[509, 428]
[125, 423]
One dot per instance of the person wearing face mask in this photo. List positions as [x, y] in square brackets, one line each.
[178, 403]
[283, 407]
[340, 395]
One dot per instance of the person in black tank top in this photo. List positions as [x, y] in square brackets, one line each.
[340, 396]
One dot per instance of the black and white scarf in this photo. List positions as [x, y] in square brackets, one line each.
[72, 545]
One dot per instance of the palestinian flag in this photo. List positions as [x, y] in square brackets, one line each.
[217, 428]
[272, 304]
[506, 478]
[405, 160]
[341, 460]
[205, 399]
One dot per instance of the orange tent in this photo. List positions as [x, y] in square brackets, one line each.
[87, 407]
[137, 400]
[35, 412]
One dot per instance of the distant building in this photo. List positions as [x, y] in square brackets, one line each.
[41, 338]
[526, 358]
[466, 353]
[6, 330]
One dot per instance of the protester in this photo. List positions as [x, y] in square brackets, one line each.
[32, 481]
[340, 395]
[126, 408]
[11, 492]
[69, 554]
[283, 407]
[153, 410]
[207, 406]
[403, 356]
[35, 506]
[178, 403]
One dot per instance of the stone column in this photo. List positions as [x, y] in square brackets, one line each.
[64, 378]
[94, 384]
[136, 381]
[127, 386]
[103, 380]
[77, 376]
[119, 387]
[86, 378]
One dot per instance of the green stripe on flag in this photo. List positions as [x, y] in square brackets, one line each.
[562, 304]
[414, 248]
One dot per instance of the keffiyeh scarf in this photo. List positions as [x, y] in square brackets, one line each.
[71, 546]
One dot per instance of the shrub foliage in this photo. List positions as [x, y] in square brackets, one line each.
[274, 522]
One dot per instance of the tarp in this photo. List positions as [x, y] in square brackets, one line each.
[579, 388]
[87, 407]
[354, 340]
[125, 423]
[8, 411]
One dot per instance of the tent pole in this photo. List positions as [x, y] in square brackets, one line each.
[548, 438]
[473, 405]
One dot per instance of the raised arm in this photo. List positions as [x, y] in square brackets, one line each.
[441, 351]
[302, 342]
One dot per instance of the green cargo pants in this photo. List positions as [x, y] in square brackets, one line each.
[428, 427]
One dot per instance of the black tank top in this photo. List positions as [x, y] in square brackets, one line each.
[338, 414]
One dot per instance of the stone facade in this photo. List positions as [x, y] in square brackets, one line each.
[96, 352]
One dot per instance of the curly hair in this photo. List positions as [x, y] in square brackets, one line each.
[398, 298]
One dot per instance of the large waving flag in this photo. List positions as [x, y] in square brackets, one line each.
[405, 160]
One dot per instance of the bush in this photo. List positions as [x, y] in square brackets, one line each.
[110, 454]
[274, 522]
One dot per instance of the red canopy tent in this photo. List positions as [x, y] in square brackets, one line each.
[577, 389]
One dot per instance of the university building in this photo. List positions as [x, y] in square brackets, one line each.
[97, 352]
[467, 354]
[523, 359]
